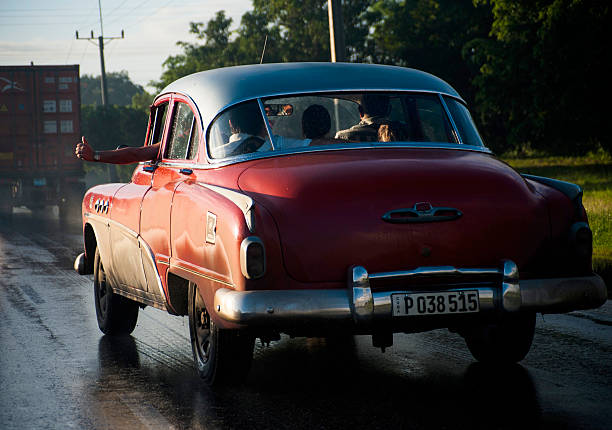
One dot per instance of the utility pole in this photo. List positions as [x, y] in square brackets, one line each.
[101, 38]
[110, 168]
[336, 31]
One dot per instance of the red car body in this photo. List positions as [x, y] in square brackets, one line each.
[333, 237]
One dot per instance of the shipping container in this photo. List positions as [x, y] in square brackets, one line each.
[40, 112]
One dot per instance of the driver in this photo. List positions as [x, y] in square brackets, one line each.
[249, 134]
[372, 112]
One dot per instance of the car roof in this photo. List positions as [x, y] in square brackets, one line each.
[214, 90]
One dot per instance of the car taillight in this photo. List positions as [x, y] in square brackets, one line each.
[581, 244]
[252, 257]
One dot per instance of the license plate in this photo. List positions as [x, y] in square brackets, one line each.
[438, 303]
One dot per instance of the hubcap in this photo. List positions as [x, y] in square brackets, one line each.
[103, 293]
[202, 328]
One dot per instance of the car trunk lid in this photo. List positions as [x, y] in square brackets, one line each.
[442, 208]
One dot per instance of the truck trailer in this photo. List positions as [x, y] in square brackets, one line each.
[40, 123]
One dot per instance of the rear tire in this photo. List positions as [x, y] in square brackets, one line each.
[506, 341]
[117, 315]
[221, 356]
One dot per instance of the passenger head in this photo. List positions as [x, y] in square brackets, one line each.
[316, 122]
[246, 118]
[392, 132]
[374, 105]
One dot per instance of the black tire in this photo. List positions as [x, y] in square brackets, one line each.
[117, 315]
[506, 341]
[221, 356]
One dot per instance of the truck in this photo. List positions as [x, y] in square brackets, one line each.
[40, 122]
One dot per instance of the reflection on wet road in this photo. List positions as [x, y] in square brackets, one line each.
[57, 370]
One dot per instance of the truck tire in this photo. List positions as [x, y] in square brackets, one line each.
[221, 356]
[506, 341]
[117, 315]
[6, 203]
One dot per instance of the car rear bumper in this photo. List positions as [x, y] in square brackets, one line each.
[361, 306]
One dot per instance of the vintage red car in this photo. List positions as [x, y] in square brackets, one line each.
[317, 200]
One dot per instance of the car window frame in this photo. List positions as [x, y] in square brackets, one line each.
[176, 99]
[153, 122]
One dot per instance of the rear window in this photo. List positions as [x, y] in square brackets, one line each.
[347, 119]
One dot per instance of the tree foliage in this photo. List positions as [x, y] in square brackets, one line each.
[538, 74]
[119, 86]
[107, 127]
[527, 68]
[291, 30]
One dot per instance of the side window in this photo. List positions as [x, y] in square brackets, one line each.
[158, 119]
[183, 131]
[195, 140]
[427, 119]
[464, 122]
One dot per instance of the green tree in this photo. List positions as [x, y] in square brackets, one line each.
[142, 101]
[430, 35]
[540, 73]
[295, 31]
[107, 127]
[119, 86]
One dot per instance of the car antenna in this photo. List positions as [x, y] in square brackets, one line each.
[264, 50]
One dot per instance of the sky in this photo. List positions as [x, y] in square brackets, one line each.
[43, 31]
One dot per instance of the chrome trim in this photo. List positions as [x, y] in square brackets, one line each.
[420, 215]
[450, 117]
[142, 244]
[433, 271]
[563, 294]
[191, 165]
[572, 191]
[80, 263]
[211, 227]
[244, 246]
[361, 299]
[151, 260]
[262, 110]
[200, 274]
[359, 306]
[221, 162]
[285, 307]
[511, 291]
[244, 202]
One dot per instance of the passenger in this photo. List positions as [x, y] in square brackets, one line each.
[126, 155]
[392, 132]
[249, 134]
[372, 111]
[248, 130]
[316, 122]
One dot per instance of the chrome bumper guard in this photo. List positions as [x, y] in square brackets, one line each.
[358, 304]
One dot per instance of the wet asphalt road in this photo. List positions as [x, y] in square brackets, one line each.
[58, 371]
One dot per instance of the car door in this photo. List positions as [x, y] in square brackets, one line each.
[127, 271]
[178, 153]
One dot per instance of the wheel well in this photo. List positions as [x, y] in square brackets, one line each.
[178, 291]
[90, 247]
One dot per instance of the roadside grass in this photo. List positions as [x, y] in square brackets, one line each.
[593, 173]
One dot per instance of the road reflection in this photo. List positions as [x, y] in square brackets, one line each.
[313, 383]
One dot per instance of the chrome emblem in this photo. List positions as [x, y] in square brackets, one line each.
[211, 227]
[421, 212]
